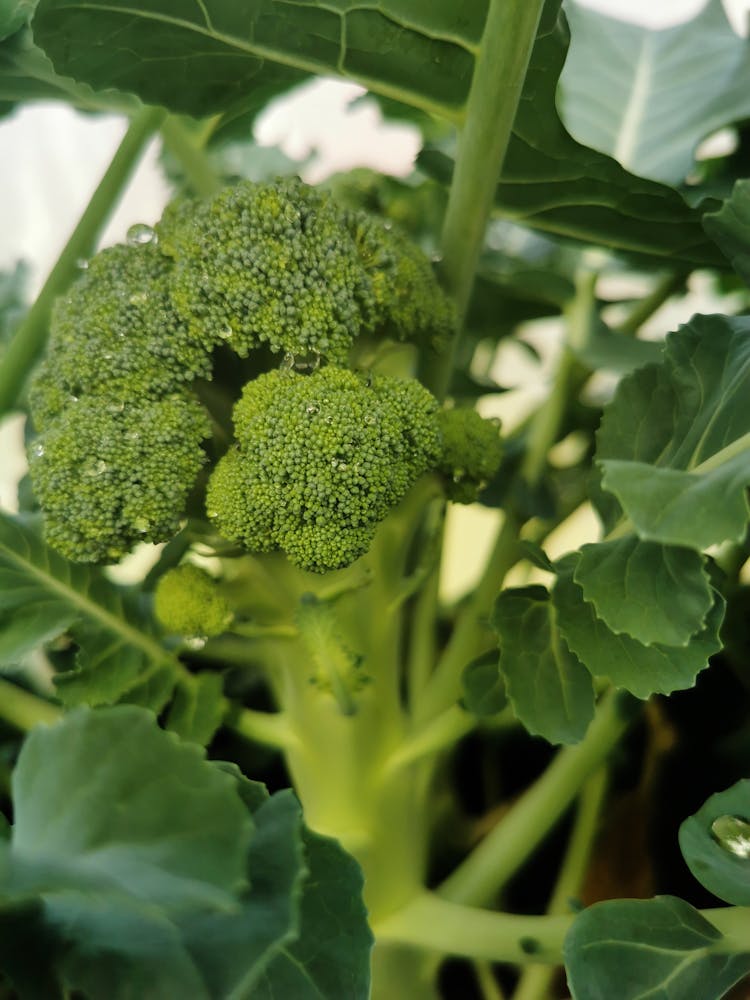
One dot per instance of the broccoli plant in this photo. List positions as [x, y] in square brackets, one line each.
[295, 756]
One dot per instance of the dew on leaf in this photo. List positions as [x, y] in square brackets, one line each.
[140, 234]
[732, 834]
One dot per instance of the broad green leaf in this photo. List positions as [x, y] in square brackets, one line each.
[552, 183]
[648, 97]
[674, 443]
[202, 58]
[329, 959]
[642, 670]
[198, 707]
[649, 949]
[107, 796]
[13, 15]
[715, 843]
[483, 686]
[548, 687]
[652, 592]
[730, 228]
[42, 594]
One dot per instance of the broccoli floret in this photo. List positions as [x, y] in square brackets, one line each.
[472, 450]
[109, 473]
[408, 304]
[187, 601]
[117, 332]
[268, 264]
[320, 460]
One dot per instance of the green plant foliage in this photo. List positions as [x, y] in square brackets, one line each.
[636, 949]
[143, 887]
[641, 669]
[198, 707]
[548, 687]
[484, 687]
[654, 593]
[730, 228]
[647, 97]
[673, 443]
[716, 845]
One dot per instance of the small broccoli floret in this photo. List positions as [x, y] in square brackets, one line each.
[117, 331]
[268, 264]
[320, 460]
[187, 601]
[472, 450]
[111, 473]
[407, 302]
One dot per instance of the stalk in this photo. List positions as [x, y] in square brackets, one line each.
[479, 878]
[30, 337]
[199, 172]
[25, 710]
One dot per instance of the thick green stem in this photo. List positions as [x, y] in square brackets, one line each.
[454, 929]
[501, 65]
[30, 338]
[269, 728]
[645, 308]
[438, 734]
[199, 173]
[23, 709]
[479, 878]
[536, 980]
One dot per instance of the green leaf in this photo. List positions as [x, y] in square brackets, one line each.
[106, 796]
[652, 592]
[552, 183]
[198, 707]
[730, 228]
[42, 594]
[616, 352]
[642, 670]
[13, 15]
[201, 59]
[648, 97]
[644, 949]
[715, 843]
[674, 443]
[549, 689]
[483, 687]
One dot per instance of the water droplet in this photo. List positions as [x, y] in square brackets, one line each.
[213, 514]
[142, 525]
[82, 264]
[226, 332]
[138, 298]
[370, 418]
[287, 362]
[116, 407]
[388, 225]
[96, 468]
[311, 409]
[140, 234]
[196, 642]
[38, 450]
[437, 258]
[291, 214]
[732, 834]
[72, 399]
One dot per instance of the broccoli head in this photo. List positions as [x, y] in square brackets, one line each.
[187, 601]
[109, 473]
[320, 460]
[116, 332]
[472, 450]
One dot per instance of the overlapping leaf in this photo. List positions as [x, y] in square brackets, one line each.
[548, 687]
[648, 97]
[641, 669]
[715, 843]
[42, 594]
[674, 444]
[730, 228]
[202, 58]
[137, 863]
[638, 949]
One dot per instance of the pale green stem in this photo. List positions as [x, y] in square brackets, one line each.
[31, 336]
[186, 148]
[25, 710]
[251, 630]
[450, 928]
[536, 980]
[488, 985]
[479, 878]
[499, 73]
[645, 308]
[444, 686]
[444, 731]
[269, 728]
